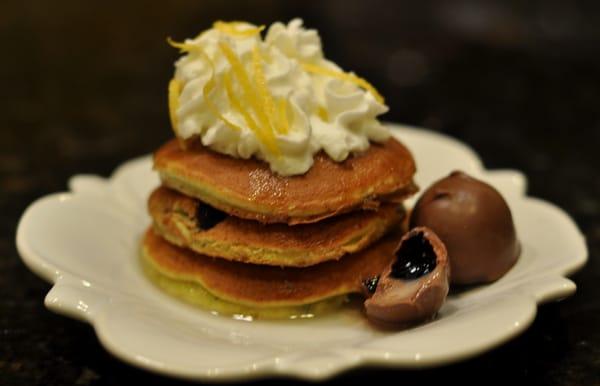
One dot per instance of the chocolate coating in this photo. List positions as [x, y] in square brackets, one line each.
[474, 222]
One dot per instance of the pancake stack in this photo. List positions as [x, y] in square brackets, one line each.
[232, 236]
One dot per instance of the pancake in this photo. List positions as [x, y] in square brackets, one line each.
[196, 295]
[250, 190]
[264, 286]
[189, 223]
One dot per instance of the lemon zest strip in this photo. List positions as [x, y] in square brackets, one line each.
[183, 47]
[237, 105]
[174, 91]
[266, 99]
[250, 97]
[242, 76]
[282, 110]
[322, 113]
[233, 28]
[350, 77]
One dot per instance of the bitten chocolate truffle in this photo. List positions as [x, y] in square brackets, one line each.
[474, 222]
[415, 285]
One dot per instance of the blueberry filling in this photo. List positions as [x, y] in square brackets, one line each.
[371, 284]
[207, 216]
[414, 259]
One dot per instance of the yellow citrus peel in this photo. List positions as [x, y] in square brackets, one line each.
[322, 113]
[174, 91]
[237, 28]
[249, 98]
[266, 99]
[183, 47]
[237, 105]
[349, 77]
[282, 107]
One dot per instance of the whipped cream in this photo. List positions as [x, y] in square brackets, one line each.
[276, 99]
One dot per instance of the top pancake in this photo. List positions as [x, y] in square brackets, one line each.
[250, 190]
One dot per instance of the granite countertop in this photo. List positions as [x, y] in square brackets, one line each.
[84, 89]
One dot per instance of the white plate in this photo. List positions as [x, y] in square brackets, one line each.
[86, 243]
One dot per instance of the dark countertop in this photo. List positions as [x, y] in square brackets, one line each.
[83, 89]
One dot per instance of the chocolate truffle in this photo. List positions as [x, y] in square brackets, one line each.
[415, 284]
[474, 222]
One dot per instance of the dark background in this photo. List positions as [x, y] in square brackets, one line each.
[83, 88]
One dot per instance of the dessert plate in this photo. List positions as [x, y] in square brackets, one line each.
[85, 242]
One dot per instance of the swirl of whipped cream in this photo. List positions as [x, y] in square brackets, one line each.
[276, 99]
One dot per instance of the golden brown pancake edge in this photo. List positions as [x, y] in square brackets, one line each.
[250, 190]
[175, 219]
[265, 286]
